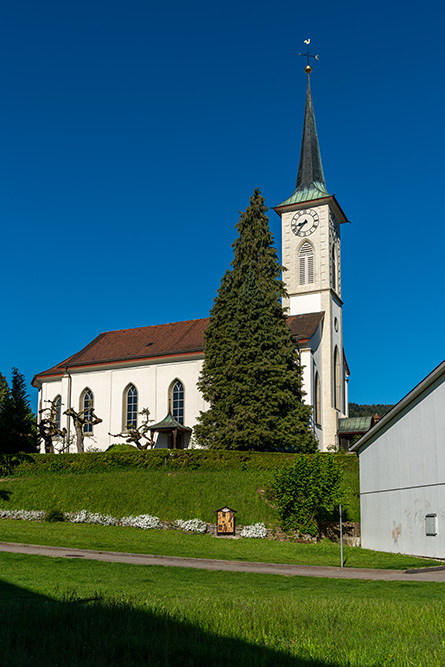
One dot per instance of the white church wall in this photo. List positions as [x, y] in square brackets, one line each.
[305, 303]
[152, 381]
[402, 478]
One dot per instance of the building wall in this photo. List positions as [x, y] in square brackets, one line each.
[153, 382]
[402, 479]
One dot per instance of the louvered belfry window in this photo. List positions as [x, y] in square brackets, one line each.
[306, 257]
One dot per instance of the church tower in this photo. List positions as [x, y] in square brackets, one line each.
[311, 219]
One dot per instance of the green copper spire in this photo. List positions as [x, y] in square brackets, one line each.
[310, 178]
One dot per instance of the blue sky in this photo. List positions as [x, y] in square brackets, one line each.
[133, 132]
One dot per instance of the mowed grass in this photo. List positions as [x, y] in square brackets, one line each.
[167, 494]
[64, 612]
[177, 543]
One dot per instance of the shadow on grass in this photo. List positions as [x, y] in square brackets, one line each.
[4, 494]
[78, 632]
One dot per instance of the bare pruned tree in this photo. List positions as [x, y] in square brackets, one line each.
[136, 434]
[48, 427]
[80, 419]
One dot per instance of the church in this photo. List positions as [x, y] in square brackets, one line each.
[157, 367]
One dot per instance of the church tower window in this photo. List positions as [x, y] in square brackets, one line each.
[177, 401]
[87, 405]
[317, 400]
[306, 262]
[130, 406]
[337, 385]
[334, 269]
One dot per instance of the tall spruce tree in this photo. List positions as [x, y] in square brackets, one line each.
[251, 377]
[17, 421]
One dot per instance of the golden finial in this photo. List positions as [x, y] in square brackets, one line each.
[308, 68]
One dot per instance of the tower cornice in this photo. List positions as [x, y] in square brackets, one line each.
[286, 207]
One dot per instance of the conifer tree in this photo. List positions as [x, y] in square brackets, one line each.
[17, 421]
[251, 377]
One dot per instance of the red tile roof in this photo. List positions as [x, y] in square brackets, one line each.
[160, 340]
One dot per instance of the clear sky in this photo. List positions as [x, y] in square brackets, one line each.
[133, 132]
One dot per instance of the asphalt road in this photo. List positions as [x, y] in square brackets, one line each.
[424, 574]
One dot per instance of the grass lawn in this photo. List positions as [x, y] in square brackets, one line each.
[55, 611]
[176, 543]
[167, 494]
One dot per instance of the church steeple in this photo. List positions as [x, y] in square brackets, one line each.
[310, 178]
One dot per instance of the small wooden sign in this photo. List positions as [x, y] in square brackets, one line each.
[225, 521]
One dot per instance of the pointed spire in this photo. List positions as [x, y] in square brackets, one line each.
[310, 170]
[310, 178]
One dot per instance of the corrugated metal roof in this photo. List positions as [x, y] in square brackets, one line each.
[354, 425]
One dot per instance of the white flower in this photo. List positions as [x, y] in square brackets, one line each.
[23, 515]
[192, 525]
[83, 516]
[144, 521]
[257, 530]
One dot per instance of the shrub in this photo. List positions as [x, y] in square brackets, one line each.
[181, 459]
[308, 491]
[54, 515]
[121, 447]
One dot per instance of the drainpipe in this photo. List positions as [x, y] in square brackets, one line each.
[69, 405]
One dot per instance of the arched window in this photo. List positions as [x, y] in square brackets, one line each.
[306, 262]
[130, 406]
[58, 406]
[334, 269]
[87, 404]
[337, 384]
[177, 401]
[317, 400]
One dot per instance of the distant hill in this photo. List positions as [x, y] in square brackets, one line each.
[363, 410]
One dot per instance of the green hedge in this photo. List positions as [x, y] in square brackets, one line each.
[181, 459]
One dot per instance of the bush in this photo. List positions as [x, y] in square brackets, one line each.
[54, 515]
[121, 447]
[308, 491]
[173, 459]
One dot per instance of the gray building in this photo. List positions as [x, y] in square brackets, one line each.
[402, 474]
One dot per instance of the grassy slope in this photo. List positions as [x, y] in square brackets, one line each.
[58, 611]
[176, 543]
[168, 495]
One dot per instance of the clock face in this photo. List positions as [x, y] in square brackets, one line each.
[304, 223]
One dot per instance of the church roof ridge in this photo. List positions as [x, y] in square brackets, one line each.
[157, 341]
[151, 326]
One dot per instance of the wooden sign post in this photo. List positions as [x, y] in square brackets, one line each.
[225, 521]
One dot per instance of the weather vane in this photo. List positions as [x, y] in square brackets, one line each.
[308, 68]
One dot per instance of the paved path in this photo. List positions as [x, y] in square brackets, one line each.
[423, 574]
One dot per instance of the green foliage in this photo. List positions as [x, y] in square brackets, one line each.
[307, 491]
[177, 491]
[251, 377]
[122, 447]
[180, 459]
[363, 410]
[54, 515]
[17, 421]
